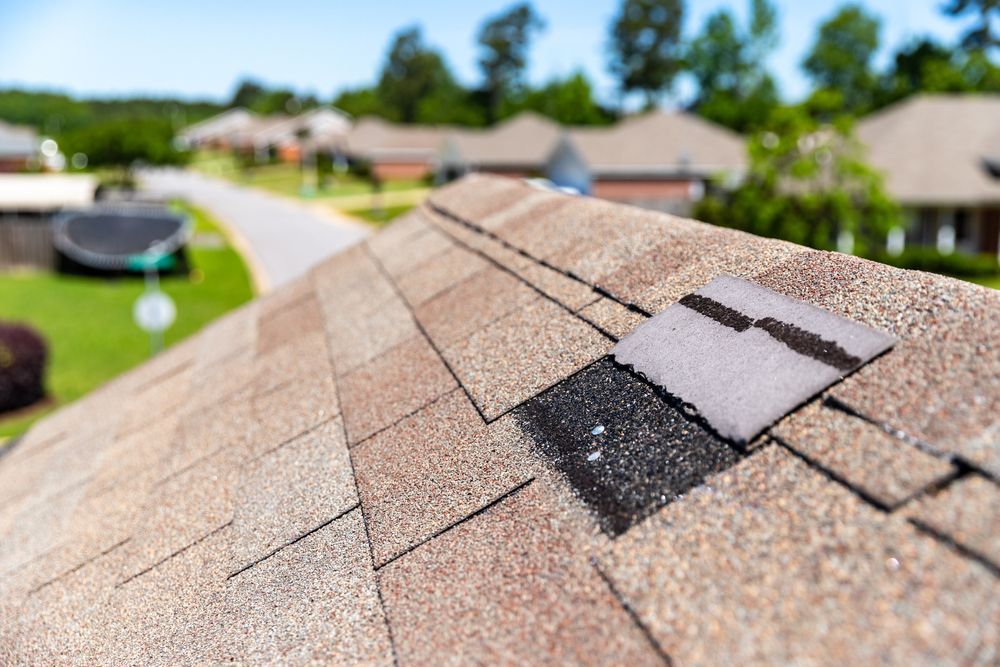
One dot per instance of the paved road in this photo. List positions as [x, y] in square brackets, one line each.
[283, 238]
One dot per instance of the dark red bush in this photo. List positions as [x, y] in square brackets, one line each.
[22, 366]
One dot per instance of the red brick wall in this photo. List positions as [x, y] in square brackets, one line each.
[398, 171]
[10, 165]
[290, 153]
[641, 189]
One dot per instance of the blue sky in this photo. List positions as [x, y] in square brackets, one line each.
[200, 48]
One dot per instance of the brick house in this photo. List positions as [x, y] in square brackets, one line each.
[940, 155]
[658, 160]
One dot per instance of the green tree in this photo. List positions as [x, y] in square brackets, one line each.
[569, 101]
[981, 35]
[734, 87]
[246, 94]
[841, 57]
[412, 72]
[927, 66]
[123, 143]
[359, 102]
[504, 41]
[645, 49]
[807, 183]
[279, 100]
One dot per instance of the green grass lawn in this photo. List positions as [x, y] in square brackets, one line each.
[990, 281]
[286, 179]
[383, 216]
[88, 321]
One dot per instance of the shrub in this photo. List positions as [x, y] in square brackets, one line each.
[22, 366]
[954, 264]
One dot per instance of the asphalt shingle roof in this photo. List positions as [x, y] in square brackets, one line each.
[934, 149]
[422, 452]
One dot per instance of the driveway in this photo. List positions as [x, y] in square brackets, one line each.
[279, 238]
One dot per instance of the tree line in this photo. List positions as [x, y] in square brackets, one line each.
[648, 54]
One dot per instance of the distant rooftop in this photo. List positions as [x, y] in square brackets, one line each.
[438, 447]
[937, 149]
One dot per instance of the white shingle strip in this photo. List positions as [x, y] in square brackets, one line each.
[744, 356]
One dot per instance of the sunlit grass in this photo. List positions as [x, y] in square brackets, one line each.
[88, 321]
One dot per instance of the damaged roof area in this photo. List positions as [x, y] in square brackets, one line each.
[425, 452]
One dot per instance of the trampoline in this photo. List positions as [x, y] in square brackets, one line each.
[121, 237]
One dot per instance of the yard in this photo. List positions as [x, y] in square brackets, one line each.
[88, 322]
[286, 179]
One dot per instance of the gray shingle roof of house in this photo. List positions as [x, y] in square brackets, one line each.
[422, 453]
[933, 148]
[524, 141]
[374, 137]
[220, 126]
[659, 142]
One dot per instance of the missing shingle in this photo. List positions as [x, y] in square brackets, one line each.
[624, 448]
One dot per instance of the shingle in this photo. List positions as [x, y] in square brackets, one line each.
[289, 410]
[439, 274]
[571, 293]
[690, 255]
[290, 491]
[941, 384]
[967, 511]
[394, 239]
[309, 356]
[431, 470]
[235, 330]
[773, 563]
[523, 353]
[58, 624]
[424, 246]
[612, 317]
[744, 356]
[531, 205]
[102, 520]
[313, 602]
[221, 380]
[487, 196]
[392, 386]
[37, 526]
[182, 510]
[357, 340]
[472, 304]
[885, 468]
[511, 586]
[164, 396]
[289, 296]
[287, 324]
[230, 424]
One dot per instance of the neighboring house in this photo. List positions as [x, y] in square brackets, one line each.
[659, 160]
[289, 137]
[393, 151]
[18, 147]
[519, 146]
[940, 155]
[220, 131]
